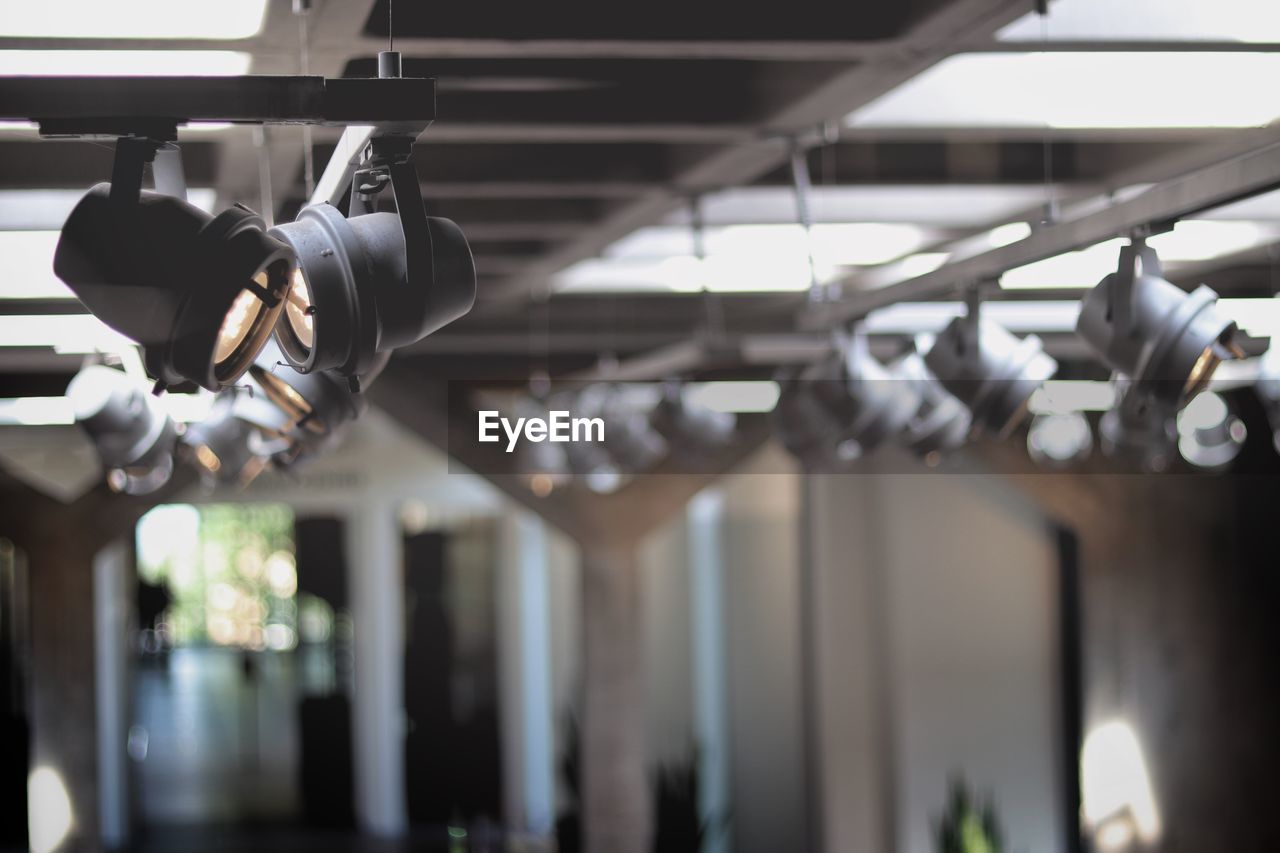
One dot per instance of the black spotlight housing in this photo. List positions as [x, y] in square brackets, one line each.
[369, 282]
[200, 293]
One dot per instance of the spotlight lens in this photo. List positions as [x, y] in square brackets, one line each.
[298, 310]
[287, 398]
[239, 328]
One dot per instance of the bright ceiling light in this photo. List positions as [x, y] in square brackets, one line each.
[65, 333]
[200, 294]
[1059, 440]
[131, 63]
[1115, 785]
[1080, 90]
[688, 274]
[1060, 396]
[133, 435]
[837, 244]
[1150, 20]
[1166, 341]
[734, 397]
[1256, 316]
[1010, 232]
[1190, 240]
[921, 263]
[134, 19]
[990, 370]
[1205, 239]
[913, 318]
[1209, 435]
[929, 206]
[36, 216]
[36, 411]
[1070, 270]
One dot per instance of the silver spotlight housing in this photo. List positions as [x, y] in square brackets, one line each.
[223, 446]
[1167, 341]
[941, 423]
[991, 371]
[692, 432]
[1210, 435]
[134, 437]
[862, 396]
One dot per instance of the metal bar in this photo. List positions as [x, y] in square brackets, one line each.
[67, 102]
[1247, 175]
[335, 181]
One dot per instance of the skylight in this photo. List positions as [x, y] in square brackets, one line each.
[1152, 20]
[141, 63]
[134, 19]
[1191, 240]
[943, 206]
[1082, 90]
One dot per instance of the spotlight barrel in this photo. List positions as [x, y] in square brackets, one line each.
[362, 297]
[200, 293]
[134, 438]
[992, 372]
[1167, 341]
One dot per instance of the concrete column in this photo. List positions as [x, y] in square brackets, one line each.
[377, 583]
[64, 755]
[710, 667]
[524, 666]
[111, 587]
[616, 813]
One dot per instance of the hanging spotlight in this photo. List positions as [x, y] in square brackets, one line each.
[940, 423]
[543, 465]
[133, 436]
[1209, 435]
[367, 283]
[1168, 341]
[692, 432]
[1059, 439]
[226, 448]
[803, 424]
[629, 439]
[317, 406]
[989, 370]
[1139, 431]
[200, 293]
[862, 397]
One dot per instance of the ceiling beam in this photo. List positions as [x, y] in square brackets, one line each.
[925, 44]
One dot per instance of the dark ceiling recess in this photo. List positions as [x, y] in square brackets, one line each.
[659, 20]
[607, 91]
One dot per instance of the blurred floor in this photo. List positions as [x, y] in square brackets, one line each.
[215, 738]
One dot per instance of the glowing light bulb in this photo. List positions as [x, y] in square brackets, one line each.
[298, 310]
[239, 321]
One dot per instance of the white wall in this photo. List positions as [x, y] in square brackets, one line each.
[763, 641]
[937, 635]
[668, 654]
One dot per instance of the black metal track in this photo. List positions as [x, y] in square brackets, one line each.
[86, 104]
